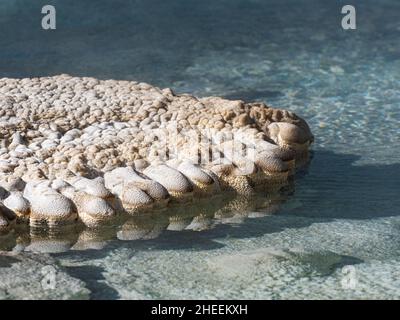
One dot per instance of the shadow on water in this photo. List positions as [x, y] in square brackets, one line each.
[6, 262]
[92, 276]
[335, 187]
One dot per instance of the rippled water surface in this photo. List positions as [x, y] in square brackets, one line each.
[333, 233]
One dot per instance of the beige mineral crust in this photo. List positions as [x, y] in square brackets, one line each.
[75, 148]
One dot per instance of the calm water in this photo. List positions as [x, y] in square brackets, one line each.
[334, 233]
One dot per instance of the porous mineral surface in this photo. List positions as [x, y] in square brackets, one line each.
[86, 149]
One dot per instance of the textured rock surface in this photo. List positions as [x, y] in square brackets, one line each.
[87, 149]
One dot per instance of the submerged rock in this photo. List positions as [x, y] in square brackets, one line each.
[37, 277]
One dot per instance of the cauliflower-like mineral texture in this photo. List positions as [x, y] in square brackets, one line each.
[75, 148]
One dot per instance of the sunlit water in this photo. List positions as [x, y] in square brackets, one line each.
[334, 233]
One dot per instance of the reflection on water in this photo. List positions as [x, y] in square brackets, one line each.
[202, 214]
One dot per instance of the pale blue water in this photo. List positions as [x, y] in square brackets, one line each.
[343, 209]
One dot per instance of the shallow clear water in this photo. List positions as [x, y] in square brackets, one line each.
[342, 211]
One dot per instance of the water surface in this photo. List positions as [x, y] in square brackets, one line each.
[342, 211]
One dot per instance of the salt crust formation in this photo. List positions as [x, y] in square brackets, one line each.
[82, 149]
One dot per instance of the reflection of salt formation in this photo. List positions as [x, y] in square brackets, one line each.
[142, 228]
[240, 208]
[7, 219]
[179, 217]
[52, 241]
[86, 149]
[94, 239]
[7, 241]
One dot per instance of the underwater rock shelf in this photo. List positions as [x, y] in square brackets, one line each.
[82, 149]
